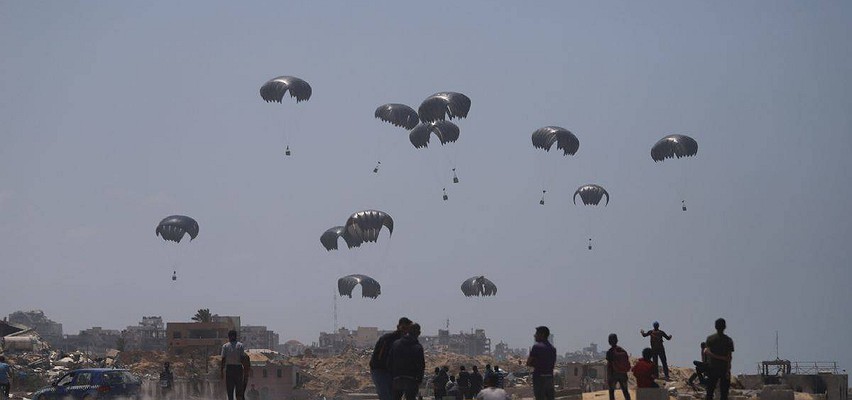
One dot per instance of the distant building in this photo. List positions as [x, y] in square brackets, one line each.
[291, 348]
[50, 331]
[587, 354]
[95, 341]
[586, 376]
[258, 337]
[471, 344]
[337, 342]
[202, 338]
[150, 334]
[823, 378]
[272, 377]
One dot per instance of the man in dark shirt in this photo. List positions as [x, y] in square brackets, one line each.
[476, 381]
[464, 382]
[542, 358]
[617, 366]
[407, 364]
[382, 378]
[719, 353]
[657, 337]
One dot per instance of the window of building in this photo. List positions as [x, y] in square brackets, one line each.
[576, 371]
[264, 373]
[176, 335]
[279, 372]
[593, 373]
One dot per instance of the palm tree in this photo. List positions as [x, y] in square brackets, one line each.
[203, 315]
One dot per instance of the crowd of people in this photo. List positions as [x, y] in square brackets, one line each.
[398, 367]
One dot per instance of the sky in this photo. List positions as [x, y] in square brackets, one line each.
[114, 115]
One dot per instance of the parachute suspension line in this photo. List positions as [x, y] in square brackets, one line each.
[175, 257]
[455, 177]
[543, 192]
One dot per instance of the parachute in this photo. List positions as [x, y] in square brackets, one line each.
[173, 228]
[446, 131]
[443, 105]
[399, 115]
[591, 194]
[674, 146]
[329, 238]
[543, 138]
[369, 286]
[366, 225]
[275, 89]
[478, 286]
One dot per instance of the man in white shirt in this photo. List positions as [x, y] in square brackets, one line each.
[231, 368]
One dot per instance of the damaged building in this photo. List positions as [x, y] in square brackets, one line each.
[148, 335]
[471, 344]
[781, 379]
[258, 337]
[95, 341]
[202, 338]
[49, 330]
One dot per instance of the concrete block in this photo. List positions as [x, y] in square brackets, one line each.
[652, 394]
[776, 393]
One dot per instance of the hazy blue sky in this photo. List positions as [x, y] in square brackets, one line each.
[114, 115]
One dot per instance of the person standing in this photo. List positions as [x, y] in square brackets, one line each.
[464, 383]
[657, 337]
[489, 372]
[382, 378]
[501, 376]
[719, 351]
[644, 370]
[167, 380]
[407, 364]
[246, 363]
[543, 359]
[231, 367]
[617, 367]
[5, 378]
[453, 389]
[439, 383]
[476, 382]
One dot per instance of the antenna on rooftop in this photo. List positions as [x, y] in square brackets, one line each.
[777, 357]
[448, 324]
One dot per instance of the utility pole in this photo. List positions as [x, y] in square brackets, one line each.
[777, 357]
[448, 324]
[334, 294]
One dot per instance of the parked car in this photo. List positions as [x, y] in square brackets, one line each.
[93, 383]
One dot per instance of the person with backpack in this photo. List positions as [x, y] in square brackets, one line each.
[464, 383]
[645, 371]
[617, 367]
[657, 337]
[543, 359]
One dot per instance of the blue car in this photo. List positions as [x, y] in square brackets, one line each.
[93, 383]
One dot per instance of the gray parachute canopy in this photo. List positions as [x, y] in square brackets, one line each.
[674, 146]
[275, 89]
[369, 286]
[591, 194]
[446, 132]
[329, 238]
[443, 105]
[366, 225]
[543, 138]
[399, 115]
[174, 226]
[478, 286]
